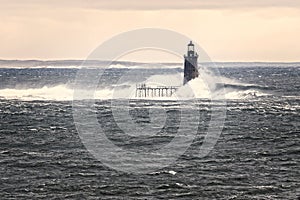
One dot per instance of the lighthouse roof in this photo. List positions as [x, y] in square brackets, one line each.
[191, 44]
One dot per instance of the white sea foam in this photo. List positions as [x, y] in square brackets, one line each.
[58, 93]
[203, 87]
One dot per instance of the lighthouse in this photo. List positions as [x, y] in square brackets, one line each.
[190, 64]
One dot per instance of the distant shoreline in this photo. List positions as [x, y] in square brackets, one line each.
[130, 64]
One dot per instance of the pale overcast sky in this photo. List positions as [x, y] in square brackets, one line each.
[229, 30]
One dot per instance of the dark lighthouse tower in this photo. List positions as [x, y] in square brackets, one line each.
[190, 64]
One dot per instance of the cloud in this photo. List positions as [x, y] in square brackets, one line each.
[65, 29]
[151, 4]
[192, 4]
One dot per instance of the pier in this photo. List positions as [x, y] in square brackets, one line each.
[142, 90]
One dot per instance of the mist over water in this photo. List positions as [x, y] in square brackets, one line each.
[34, 84]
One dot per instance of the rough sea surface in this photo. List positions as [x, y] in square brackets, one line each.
[256, 157]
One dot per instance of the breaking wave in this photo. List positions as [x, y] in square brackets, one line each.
[198, 86]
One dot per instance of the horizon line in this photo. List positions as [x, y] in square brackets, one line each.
[168, 62]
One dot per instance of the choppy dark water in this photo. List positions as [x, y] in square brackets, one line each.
[256, 157]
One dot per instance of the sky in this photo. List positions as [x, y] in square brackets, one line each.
[228, 30]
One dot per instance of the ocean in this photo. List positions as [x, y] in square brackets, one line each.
[45, 155]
